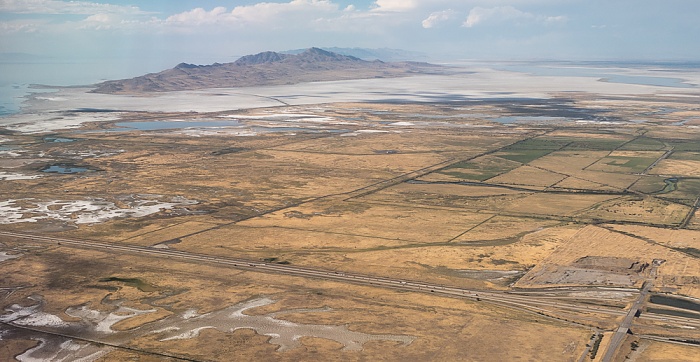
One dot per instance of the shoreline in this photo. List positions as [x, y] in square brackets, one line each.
[43, 108]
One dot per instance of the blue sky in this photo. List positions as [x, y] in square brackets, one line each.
[204, 31]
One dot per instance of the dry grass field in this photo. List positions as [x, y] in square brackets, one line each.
[433, 326]
[553, 226]
[648, 351]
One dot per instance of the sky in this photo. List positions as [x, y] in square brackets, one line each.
[205, 31]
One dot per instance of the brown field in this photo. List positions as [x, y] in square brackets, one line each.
[649, 210]
[678, 168]
[367, 310]
[417, 193]
[556, 204]
[528, 176]
[655, 351]
[626, 161]
[568, 162]
[575, 183]
[358, 219]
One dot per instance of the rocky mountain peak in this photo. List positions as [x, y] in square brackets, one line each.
[261, 58]
[320, 55]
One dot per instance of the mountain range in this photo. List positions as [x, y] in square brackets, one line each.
[383, 54]
[266, 68]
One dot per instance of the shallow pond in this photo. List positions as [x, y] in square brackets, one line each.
[65, 169]
[675, 302]
[296, 129]
[58, 140]
[518, 119]
[165, 125]
[676, 313]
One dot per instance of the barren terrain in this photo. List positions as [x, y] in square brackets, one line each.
[350, 230]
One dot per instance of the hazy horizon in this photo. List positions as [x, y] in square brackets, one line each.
[66, 43]
[216, 30]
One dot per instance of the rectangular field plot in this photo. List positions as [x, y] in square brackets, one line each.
[577, 184]
[540, 143]
[596, 141]
[568, 162]
[616, 181]
[270, 241]
[648, 210]
[523, 156]
[504, 228]
[479, 169]
[679, 163]
[491, 199]
[384, 162]
[405, 223]
[650, 351]
[405, 142]
[557, 205]
[456, 196]
[528, 176]
[644, 144]
[674, 238]
[626, 161]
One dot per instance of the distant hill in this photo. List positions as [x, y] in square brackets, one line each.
[383, 54]
[267, 68]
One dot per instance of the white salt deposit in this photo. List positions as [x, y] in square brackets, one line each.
[5, 256]
[46, 122]
[16, 176]
[81, 211]
[41, 319]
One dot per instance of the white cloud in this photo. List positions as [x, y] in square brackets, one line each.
[101, 21]
[272, 14]
[63, 7]
[395, 5]
[199, 16]
[556, 19]
[438, 17]
[480, 15]
[262, 12]
[16, 26]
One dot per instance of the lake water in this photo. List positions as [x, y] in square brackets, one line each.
[64, 169]
[16, 80]
[607, 75]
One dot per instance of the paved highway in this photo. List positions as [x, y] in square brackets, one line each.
[546, 304]
[623, 328]
[536, 304]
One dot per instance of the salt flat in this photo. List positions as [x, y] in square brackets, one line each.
[40, 112]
